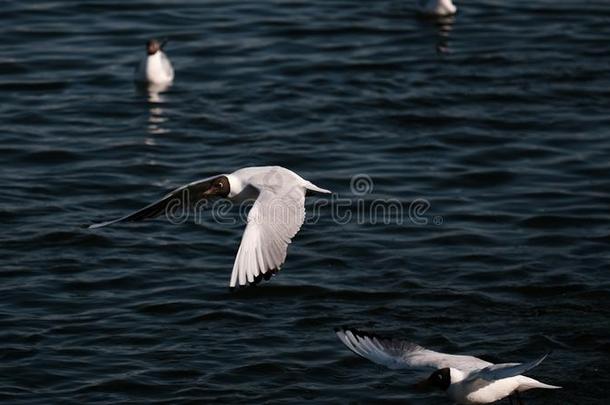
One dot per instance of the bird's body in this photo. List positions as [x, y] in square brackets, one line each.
[467, 380]
[155, 67]
[274, 219]
[473, 391]
[436, 8]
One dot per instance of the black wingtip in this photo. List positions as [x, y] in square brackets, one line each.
[236, 289]
[547, 354]
[264, 276]
[537, 362]
[257, 280]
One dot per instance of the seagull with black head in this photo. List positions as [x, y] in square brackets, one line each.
[275, 218]
[155, 67]
[467, 380]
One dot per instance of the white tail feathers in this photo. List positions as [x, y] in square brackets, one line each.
[527, 383]
[310, 186]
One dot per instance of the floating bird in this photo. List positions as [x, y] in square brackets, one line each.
[466, 379]
[436, 8]
[155, 68]
[273, 220]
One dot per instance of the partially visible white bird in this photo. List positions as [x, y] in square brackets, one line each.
[274, 219]
[466, 379]
[436, 8]
[155, 67]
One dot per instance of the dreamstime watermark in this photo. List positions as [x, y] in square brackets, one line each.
[283, 206]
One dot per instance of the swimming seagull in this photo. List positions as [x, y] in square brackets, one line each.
[274, 219]
[466, 379]
[155, 67]
[436, 8]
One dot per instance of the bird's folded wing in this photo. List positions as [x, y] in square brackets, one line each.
[395, 354]
[167, 66]
[179, 199]
[275, 217]
[505, 370]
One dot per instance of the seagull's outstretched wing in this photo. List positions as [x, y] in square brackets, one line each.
[395, 354]
[178, 199]
[275, 217]
[505, 370]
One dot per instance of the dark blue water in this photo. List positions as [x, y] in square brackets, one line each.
[498, 120]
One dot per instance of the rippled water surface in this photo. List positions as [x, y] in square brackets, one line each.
[497, 118]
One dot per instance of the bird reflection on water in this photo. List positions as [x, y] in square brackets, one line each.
[444, 26]
[156, 114]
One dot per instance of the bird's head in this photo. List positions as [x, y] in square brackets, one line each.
[217, 187]
[153, 46]
[440, 379]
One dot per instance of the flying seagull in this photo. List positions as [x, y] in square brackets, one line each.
[273, 220]
[467, 380]
[155, 67]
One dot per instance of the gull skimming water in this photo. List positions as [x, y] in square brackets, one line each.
[155, 67]
[273, 220]
[466, 379]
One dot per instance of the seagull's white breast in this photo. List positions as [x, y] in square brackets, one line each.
[155, 69]
[482, 392]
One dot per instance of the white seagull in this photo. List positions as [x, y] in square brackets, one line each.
[155, 67]
[274, 219]
[466, 379]
[436, 8]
